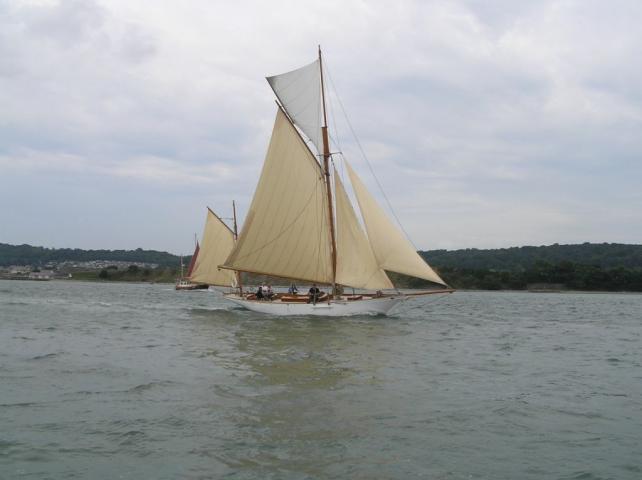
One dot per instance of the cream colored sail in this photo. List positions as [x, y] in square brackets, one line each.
[217, 243]
[286, 231]
[356, 264]
[391, 249]
[299, 91]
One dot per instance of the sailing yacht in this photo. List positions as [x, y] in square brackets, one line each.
[302, 226]
[183, 282]
[216, 244]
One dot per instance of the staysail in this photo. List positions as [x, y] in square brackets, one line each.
[286, 231]
[299, 92]
[217, 243]
[391, 249]
[356, 264]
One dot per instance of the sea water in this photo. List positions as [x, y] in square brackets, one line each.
[134, 381]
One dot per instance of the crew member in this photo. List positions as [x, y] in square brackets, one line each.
[313, 294]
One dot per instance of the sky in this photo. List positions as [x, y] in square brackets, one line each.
[489, 123]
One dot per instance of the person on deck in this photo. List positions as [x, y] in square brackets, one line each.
[313, 293]
[269, 294]
[293, 290]
[259, 293]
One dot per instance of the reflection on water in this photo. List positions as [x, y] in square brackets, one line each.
[299, 391]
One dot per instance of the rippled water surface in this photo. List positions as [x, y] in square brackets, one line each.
[131, 381]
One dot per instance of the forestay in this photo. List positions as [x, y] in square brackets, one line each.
[286, 230]
[356, 264]
[391, 249]
[217, 243]
[299, 92]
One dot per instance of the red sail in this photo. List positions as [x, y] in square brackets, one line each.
[193, 260]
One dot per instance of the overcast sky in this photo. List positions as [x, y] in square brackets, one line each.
[488, 123]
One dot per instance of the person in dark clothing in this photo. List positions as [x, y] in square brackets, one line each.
[259, 293]
[313, 293]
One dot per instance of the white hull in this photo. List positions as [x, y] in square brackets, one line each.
[333, 308]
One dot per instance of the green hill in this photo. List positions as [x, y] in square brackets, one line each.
[29, 255]
[515, 259]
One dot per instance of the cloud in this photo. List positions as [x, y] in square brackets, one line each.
[488, 123]
[140, 169]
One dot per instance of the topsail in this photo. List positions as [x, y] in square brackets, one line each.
[299, 92]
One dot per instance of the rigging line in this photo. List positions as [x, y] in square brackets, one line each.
[337, 230]
[334, 138]
[363, 153]
[333, 117]
[320, 240]
[428, 301]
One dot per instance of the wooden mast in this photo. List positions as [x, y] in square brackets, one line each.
[326, 171]
[236, 237]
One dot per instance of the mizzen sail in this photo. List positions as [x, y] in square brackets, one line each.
[299, 92]
[356, 264]
[286, 230]
[218, 241]
[391, 249]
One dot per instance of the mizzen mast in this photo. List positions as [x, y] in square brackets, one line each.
[236, 238]
[326, 171]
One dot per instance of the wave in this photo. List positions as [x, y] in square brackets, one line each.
[148, 386]
[582, 476]
[46, 355]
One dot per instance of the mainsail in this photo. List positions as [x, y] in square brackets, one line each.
[299, 92]
[286, 230]
[391, 249]
[356, 264]
[192, 262]
[217, 243]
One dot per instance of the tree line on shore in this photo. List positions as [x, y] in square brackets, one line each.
[542, 276]
[587, 266]
[605, 267]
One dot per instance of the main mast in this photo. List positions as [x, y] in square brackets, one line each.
[326, 171]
